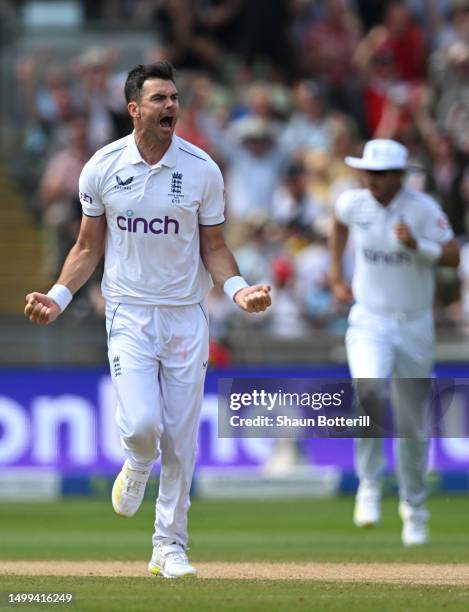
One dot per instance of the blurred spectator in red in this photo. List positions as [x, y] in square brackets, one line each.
[385, 95]
[286, 317]
[405, 39]
[219, 355]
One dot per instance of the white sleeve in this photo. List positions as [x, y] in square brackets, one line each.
[90, 198]
[212, 207]
[436, 225]
[344, 208]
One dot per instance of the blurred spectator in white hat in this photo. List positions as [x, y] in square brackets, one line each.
[254, 164]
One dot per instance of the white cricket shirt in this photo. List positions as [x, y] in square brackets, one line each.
[153, 215]
[388, 277]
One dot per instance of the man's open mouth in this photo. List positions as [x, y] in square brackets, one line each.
[167, 122]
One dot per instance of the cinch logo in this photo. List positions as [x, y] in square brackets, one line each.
[388, 258]
[154, 226]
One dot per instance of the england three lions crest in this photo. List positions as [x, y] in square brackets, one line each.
[176, 188]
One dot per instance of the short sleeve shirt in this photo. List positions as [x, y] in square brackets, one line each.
[388, 277]
[153, 215]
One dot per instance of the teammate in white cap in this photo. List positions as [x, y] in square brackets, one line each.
[399, 237]
[153, 204]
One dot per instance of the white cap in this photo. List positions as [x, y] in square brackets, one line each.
[380, 154]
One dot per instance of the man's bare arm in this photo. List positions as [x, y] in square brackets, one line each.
[77, 269]
[219, 261]
[337, 243]
[450, 254]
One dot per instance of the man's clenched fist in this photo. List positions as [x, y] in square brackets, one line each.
[40, 308]
[254, 299]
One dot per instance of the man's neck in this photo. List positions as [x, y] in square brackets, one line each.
[151, 149]
[387, 200]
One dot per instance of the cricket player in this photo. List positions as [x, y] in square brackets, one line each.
[153, 204]
[400, 236]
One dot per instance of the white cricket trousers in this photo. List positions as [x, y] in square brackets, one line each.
[380, 346]
[158, 358]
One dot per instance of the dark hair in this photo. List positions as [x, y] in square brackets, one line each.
[138, 75]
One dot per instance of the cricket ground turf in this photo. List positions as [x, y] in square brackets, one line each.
[271, 555]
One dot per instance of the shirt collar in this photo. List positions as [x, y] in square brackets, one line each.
[169, 159]
[395, 202]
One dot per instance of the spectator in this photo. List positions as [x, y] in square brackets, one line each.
[327, 49]
[262, 243]
[58, 195]
[385, 96]
[263, 35]
[100, 94]
[452, 108]
[312, 288]
[372, 12]
[308, 128]
[286, 317]
[255, 162]
[293, 206]
[445, 181]
[405, 39]
[192, 35]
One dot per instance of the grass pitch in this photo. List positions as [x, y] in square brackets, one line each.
[236, 531]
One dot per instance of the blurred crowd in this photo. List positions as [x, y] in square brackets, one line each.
[278, 92]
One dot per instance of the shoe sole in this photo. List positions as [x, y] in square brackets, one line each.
[367, 525]
[157, 571]
[416, 544]
[119, 513]
[116, 509]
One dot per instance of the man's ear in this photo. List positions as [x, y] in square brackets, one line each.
[133, 109]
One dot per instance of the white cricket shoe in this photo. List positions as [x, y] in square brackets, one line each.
[170, 561]
[414, 524]
[128, 490]
[367, 511]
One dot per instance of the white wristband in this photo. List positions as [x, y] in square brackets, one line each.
[61, 295]
[429, 251]
[233, 285]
